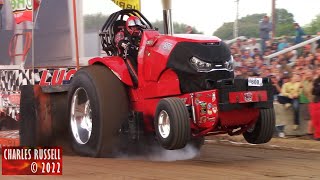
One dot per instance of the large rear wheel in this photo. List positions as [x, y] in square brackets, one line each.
[98, 105]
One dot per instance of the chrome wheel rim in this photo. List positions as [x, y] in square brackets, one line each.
[80, 116]
[164, 124]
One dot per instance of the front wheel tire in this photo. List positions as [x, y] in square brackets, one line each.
[263, 130]
[172, 124]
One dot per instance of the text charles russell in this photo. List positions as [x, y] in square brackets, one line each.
[34, 154]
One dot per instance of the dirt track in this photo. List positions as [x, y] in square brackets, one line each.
[216, 161]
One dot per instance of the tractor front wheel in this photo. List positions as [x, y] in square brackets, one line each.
[263, 129]
[172, 124]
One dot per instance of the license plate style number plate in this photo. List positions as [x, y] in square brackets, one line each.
[255, 81]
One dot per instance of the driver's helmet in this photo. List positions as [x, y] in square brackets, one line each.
[133, 24]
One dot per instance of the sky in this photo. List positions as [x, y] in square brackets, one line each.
[208, 15]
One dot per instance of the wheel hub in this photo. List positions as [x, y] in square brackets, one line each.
[164, 124]
[81, 117]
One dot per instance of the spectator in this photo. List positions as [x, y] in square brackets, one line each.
[237, 60]
[237, 71]
[290, 97]
[258, 65]
[274, 64]
[284, 68]
[276, 88]
[284, 78]
[299, 33]
[265, 28]
[318, 42]
[292, 56]
[246, 58]
[309, 61]
[283, 44]
[300, 64]
[256, 51]
[266, 72]
[254, 46]
[244, 72]
[306, 97]
[315, 107]
[189, 30]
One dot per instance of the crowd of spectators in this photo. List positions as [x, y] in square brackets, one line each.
[292, 74]
[295, 75]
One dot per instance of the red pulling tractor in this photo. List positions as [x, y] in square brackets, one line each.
[182, 89]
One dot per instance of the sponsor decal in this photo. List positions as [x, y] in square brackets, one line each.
[56, 78]
[215, 109]
[167, 46]
[22, 9]
[248, 96]
[203, 119]
[203, 108]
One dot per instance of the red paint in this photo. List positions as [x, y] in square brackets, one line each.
[57, 77]
[70, 74]
[206, 109]
[117, 65]
[238, 117]
[157, 82]
[252, 96]
[44, 77]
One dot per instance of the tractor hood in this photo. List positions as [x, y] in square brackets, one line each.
[199, 56]
[196, 59]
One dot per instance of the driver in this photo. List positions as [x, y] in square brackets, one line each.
[128, 40]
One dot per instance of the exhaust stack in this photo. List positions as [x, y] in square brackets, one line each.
[167, 17]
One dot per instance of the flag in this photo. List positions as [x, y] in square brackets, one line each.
[22, 9]
[128, 4]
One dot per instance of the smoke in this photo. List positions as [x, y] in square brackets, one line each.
[158, 153]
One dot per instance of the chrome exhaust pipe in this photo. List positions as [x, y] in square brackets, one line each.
[167, 17]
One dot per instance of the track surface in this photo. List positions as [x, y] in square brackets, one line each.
[216, 161]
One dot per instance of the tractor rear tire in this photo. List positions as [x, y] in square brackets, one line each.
[263, 130]
[98, 106]
[172, 125]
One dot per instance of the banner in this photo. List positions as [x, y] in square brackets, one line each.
[128, 4]
[22, 9]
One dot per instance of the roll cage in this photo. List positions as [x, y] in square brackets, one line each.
[113, 25]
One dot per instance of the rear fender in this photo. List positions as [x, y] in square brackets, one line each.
[116, 65]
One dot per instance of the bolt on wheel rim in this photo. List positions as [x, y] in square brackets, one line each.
[81, 118]
[164, 124]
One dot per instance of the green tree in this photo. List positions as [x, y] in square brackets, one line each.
[314, 26]
[94, 22]
[284, 23]
[249, 25]
[179, 28]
